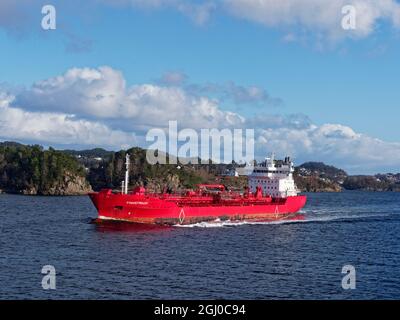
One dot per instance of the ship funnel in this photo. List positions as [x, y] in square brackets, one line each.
[127, 163]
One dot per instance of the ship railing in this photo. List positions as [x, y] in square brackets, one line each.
[224, 202]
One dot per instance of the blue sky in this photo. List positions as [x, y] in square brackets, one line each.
[303, 67]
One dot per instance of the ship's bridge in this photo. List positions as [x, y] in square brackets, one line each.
[275, 177]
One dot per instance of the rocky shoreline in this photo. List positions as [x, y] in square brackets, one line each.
[70, 186]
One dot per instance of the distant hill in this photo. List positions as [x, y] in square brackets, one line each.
[323, 170]
[319, 177]
[10, 144]
[90, 153]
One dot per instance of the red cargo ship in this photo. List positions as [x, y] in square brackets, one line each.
[271, 195]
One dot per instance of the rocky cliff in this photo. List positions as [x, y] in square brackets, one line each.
[31, 170]
[70, 185]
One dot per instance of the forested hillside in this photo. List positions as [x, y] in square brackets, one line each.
[32, 170]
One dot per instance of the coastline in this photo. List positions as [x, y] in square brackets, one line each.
[74, 173]
[43, 195]
[2, 192]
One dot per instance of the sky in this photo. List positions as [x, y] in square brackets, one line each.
[112, 70]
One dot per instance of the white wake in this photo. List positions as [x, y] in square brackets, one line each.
[307, 219]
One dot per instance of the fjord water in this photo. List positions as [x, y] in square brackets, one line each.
[289, 260]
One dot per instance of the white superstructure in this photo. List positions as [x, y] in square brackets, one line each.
[275, 177]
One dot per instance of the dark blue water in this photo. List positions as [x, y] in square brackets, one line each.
[294, 260]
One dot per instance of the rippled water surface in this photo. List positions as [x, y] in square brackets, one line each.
[291, 260]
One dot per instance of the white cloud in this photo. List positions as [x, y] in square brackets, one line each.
[97, 92]
[316, 16]
[333, 144]
[234, 93]
[321, 18]
[102, 93]
[56, 128]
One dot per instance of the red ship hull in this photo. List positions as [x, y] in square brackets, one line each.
[173, 209]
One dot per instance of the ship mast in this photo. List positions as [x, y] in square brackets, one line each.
[127, 163]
